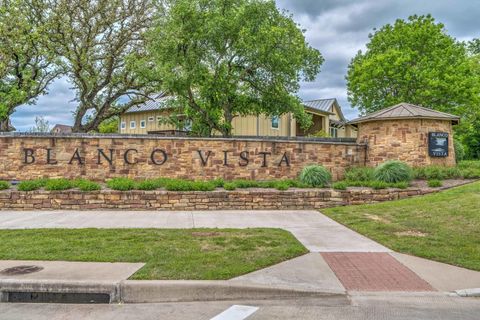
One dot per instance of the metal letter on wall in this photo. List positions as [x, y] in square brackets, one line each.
[438, 144]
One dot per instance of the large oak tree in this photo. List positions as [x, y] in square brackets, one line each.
[222, 59]
[27, 66]
[98, 42]
[413, 61]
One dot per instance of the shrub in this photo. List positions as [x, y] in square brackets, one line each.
[219, 182]
[393, 171]
[121, 184]
[459, 150]
[359, 174]
[58, 184]
[229, 186]
[4, 185]
[185, 185]
[437, 172]
[341, 185]
[315, 176]
[30, 185]
[400, 185]
[147, 185]
[434, 183]
[378, 185]
[470, 173]
[282, 185]
[87, 185]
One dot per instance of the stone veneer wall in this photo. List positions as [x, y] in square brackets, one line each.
[184, 159]
[252, 199]
[405, 140]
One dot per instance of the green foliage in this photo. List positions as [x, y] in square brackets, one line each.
[359, 174]
[109, 125]
[121, 184]
[147, 185]
[4, 185]
[340, 185]
[58, 184]
[434, 183]
[87, 185]
[26, 67]
[186, 185]
[459, 150]
[320, 134]
[470, 169]
[372, 184]
[393, 171]
[230, 186]
[315, 176]
[226, 59]
[98, 43]
[282, 185]
[437, 173]
[413, 61]
[30, 185]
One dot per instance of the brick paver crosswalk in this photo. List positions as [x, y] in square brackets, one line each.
[374, 272]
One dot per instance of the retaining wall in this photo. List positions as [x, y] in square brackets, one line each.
[248, 199]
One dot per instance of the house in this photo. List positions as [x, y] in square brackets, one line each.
[61, 128]
[327, 116]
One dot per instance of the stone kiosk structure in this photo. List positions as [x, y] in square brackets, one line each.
[416, 135]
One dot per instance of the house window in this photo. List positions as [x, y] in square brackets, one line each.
[333, 132]
[133, 124]
[150, 119]
[123, 125]
[275, 122]
[143, 124]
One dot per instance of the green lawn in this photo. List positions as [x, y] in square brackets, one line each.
[204, 254]
[443, 226]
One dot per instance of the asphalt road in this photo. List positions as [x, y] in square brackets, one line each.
[359, 307]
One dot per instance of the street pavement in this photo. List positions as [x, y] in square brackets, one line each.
[356, 307]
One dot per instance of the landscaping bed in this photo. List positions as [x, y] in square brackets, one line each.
[443, 226]
[194, 254]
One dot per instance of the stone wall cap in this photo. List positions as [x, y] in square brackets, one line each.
[347, 141]
[406, 111]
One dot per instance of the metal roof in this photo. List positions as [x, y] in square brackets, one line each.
[151, 105]
[406, 110]
[320, 104]
[324, 105]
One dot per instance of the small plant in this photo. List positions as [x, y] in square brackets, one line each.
[4, 185]
[434, 183]
[393, 171]
[121, 184]
[401, 185]
[30, 185]
[219, 182]
[359, 174]
[186, 185]
[58, 184]
[147, 185]
[315, 176]
[378, 185]
[341, 185]
[282, 185]
[87, 185]
[229, 186]
[437, 172]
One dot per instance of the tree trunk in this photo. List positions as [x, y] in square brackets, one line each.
[5, 125]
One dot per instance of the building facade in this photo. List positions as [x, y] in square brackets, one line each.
[327, 116]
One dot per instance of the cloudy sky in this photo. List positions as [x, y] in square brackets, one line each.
[338, 28]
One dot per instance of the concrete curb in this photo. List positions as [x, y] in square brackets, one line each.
[475, 292]
[131, 291]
